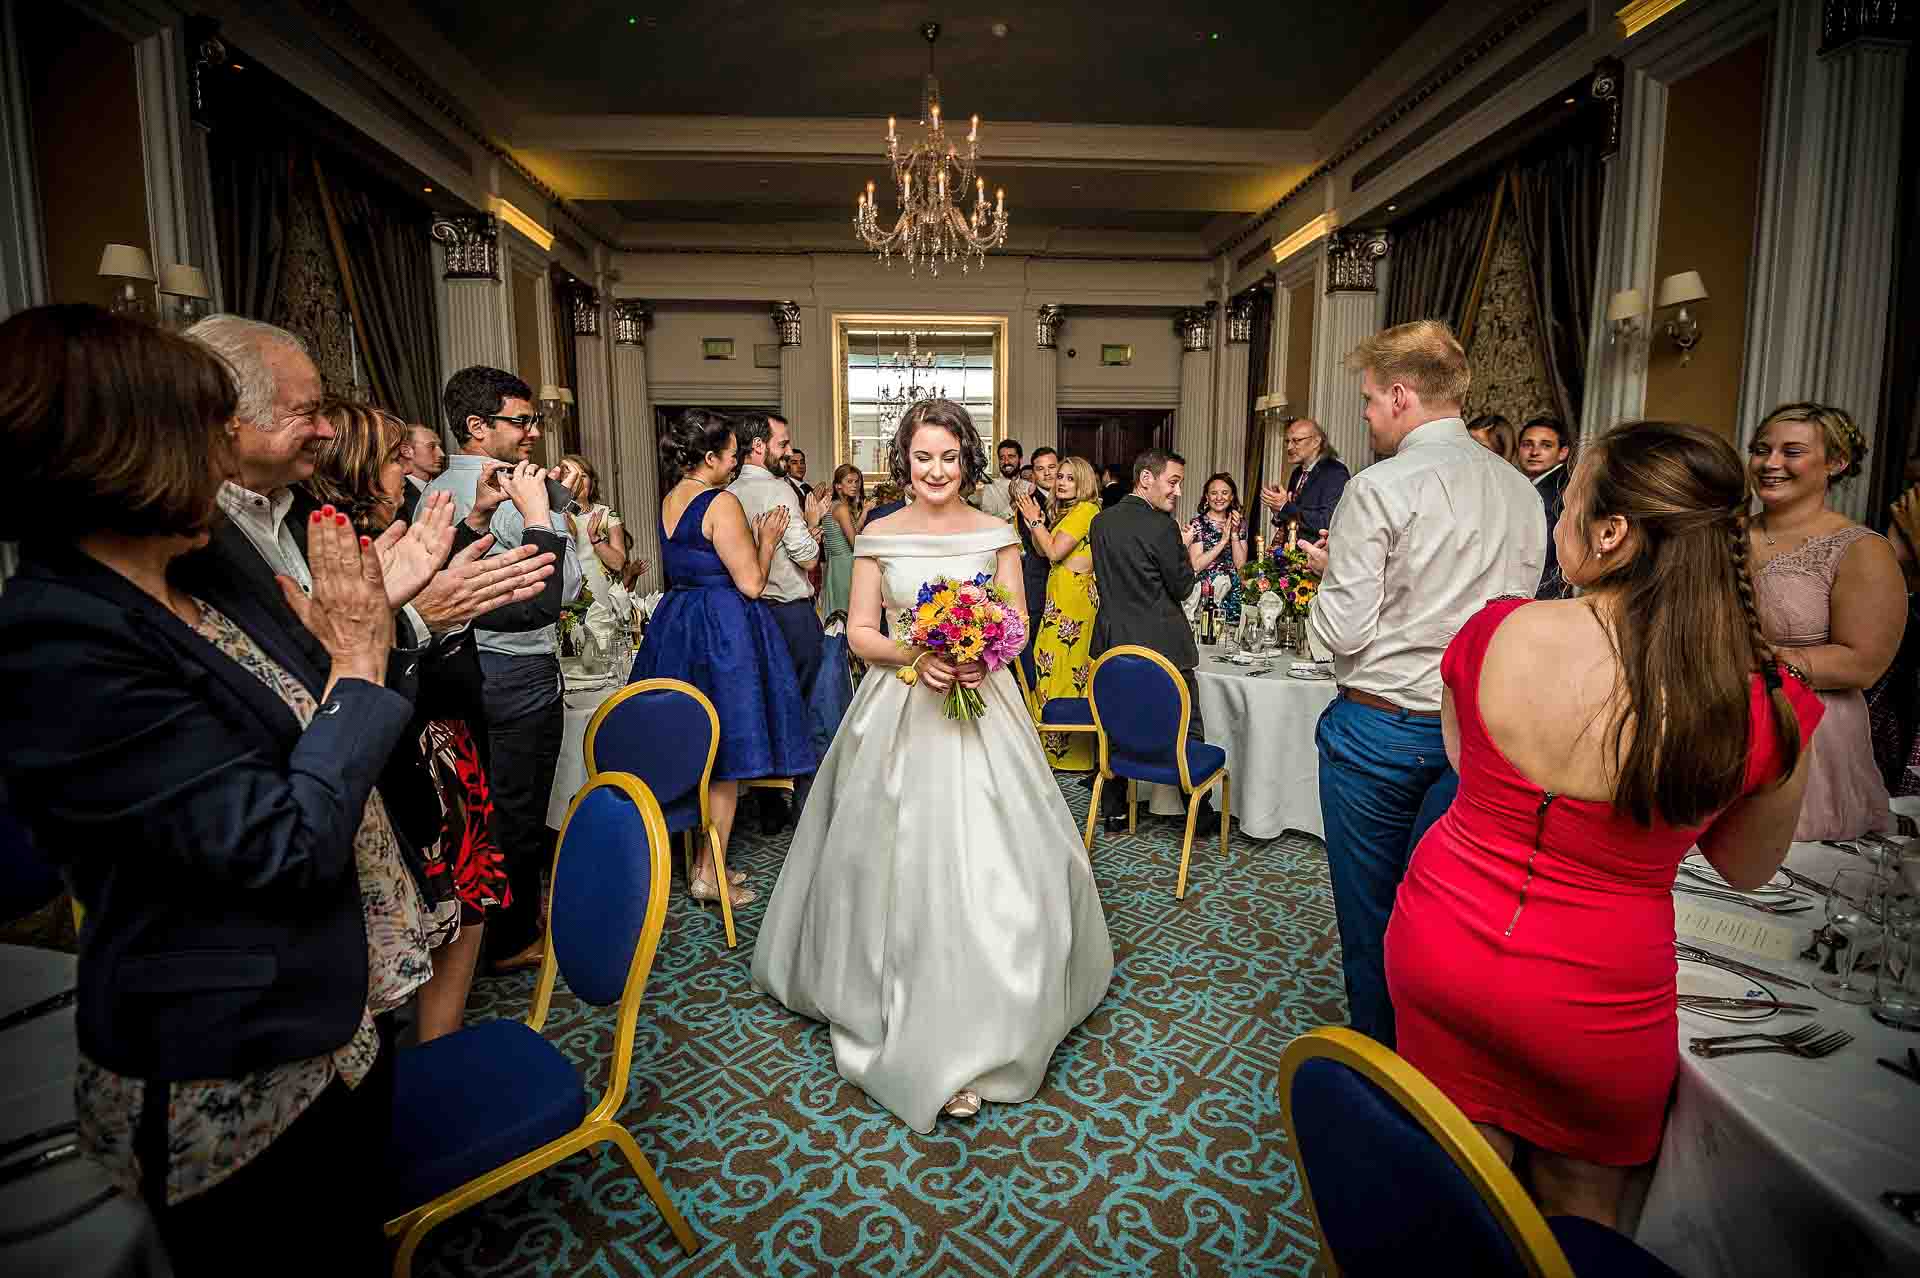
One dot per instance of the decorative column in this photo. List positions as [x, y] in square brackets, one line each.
[1230, 407]
[635, 439]
[1348, 314]
[592, 388]
[1192, 422]
[472, 297]
[1822, 312]
[811, 437]
[1039, 420]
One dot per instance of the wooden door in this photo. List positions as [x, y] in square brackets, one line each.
[1113, 435]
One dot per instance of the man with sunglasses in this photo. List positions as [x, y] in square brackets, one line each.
[490, 413]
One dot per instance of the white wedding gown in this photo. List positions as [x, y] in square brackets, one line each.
[936, 908]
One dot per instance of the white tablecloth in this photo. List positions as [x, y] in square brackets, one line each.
[570, 770]
[1772, 1165]
[1265, 723]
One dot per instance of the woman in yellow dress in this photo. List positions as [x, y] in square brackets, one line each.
[1060, 657]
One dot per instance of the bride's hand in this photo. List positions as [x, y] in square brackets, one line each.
[938, 674]
[971, 674]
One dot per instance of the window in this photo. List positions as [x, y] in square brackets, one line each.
[885, 362]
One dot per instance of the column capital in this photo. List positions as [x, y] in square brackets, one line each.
[473, 245]
[1046, 327]
[630, 320]
[786, 322]
[1240, 318]
[583, 303]
[1352, 259]
[1844, 23]
[1604, 87]
[1195, 326]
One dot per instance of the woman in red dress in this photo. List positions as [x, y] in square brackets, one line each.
[1598, 739]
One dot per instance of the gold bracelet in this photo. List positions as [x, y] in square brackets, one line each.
[908, 674]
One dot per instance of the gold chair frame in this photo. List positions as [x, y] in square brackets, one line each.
[1442, 1120]
[706, 830]
[601, 1122]
[1194, 790]
[1027, 700]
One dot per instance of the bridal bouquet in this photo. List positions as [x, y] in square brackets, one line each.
[966, 621]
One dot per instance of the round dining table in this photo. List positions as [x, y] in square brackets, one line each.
[583, 697]
[1772, 1164]
[1264, 719]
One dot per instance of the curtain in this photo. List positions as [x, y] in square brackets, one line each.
[566, 357]
[1556, 206]
[250, 175]
[1259, 357]
[380, 244]
[1439, 259]
[313, 296]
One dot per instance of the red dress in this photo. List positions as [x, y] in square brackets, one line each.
[1530, 954]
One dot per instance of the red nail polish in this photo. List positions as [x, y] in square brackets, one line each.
[316, 517]
[326, 510]
[340, 521]
[365, 542]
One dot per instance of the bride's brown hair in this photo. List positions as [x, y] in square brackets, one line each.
[1685, 631]
[957, 422]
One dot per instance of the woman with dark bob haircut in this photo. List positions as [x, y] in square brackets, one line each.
[247, 912]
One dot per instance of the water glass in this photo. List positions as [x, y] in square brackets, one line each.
[1850, 923]
[1896, 982]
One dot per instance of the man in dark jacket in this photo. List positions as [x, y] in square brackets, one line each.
[1144, 574]
[1544, 449]
[1313, 486]
[1034, 564]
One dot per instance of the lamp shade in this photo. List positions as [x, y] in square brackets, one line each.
[1678, 290]
[566, 395]
[549, 393]
[184, 281]
[1626, 304]
[124, 261]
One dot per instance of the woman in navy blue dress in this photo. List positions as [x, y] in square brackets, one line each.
[712, 631]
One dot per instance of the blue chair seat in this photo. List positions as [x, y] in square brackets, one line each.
[1593, 1249]
[1067, 712]
[473, 1101]
[1203, 761]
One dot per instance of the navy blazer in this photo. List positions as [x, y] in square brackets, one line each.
[1141, 566]
[1314, 507]
[208, 835]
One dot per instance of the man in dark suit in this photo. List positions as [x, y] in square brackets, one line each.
[1144, 573]
[1313, 486]
[1544, 449]
[1034, 564]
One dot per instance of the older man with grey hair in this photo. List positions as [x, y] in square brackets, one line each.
[1314, 486]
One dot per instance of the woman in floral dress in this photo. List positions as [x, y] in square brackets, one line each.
[1060, 656]
[1217, 540]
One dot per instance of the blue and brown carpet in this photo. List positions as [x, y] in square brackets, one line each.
[1156, 1146]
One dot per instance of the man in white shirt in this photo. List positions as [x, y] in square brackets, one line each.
[424, 459]
[1421, 540]
[764, 442]
[996, 497]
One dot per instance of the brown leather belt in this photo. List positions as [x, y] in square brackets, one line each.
[1381, 703]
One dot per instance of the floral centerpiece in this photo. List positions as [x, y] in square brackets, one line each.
[1287, 576]
[964, 621]
[572, 617]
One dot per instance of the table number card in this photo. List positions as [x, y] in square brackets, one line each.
[1743, 932]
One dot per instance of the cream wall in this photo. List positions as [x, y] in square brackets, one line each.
[678, 372]
[1151, 381]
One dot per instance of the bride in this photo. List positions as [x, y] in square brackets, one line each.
[936, 909]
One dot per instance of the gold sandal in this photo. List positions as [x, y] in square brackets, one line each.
[708, 890]
[964, 1104]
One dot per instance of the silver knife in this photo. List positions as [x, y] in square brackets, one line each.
[1710, 1000]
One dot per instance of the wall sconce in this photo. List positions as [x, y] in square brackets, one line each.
[1624, 310]
[1683, 330]
[127, 264]
[187, 286]
[553, 409]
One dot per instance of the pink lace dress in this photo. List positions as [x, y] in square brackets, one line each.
[1846, 796]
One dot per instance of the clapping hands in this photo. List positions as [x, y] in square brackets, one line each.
[409, 556]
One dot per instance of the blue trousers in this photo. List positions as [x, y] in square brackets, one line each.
[1376, 769]
[806, 641]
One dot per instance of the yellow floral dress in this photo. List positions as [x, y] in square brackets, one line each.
[1060, 658]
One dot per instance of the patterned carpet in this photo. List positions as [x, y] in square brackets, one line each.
[1155, 1148]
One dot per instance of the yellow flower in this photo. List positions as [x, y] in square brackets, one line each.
[928, 614]
[943, 599]
[970, 648]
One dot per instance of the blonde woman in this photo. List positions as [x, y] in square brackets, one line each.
[1061, 658]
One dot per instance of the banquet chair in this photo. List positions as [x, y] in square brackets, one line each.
[447, 1153]
[666, 733]
[1141, 710]
[1361, 1118]
[1061, 714]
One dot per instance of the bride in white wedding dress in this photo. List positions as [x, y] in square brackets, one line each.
[936, 908]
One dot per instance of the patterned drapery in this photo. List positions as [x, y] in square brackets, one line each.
[313, 301]
[1505, 352]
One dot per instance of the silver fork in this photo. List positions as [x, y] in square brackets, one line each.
[1811, 1051]
[1801, 1035]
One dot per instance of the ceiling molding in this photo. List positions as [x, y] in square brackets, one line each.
[1463, 60]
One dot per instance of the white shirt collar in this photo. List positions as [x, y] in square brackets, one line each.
[1544, 475]
[754, 470]
[1441, 430]
[244, 503]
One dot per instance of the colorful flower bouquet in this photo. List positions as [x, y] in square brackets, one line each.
[1284, 574]
[966, 621]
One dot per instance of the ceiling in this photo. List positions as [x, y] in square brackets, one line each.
[1202, 62]
[726, 115]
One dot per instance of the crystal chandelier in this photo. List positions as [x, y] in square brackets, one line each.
[906, 389]
[927, 179]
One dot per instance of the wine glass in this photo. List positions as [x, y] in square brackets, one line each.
[1849, 923]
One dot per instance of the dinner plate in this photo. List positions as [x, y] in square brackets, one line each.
[1696, 866]
[1317, 676]
[1717, 982]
